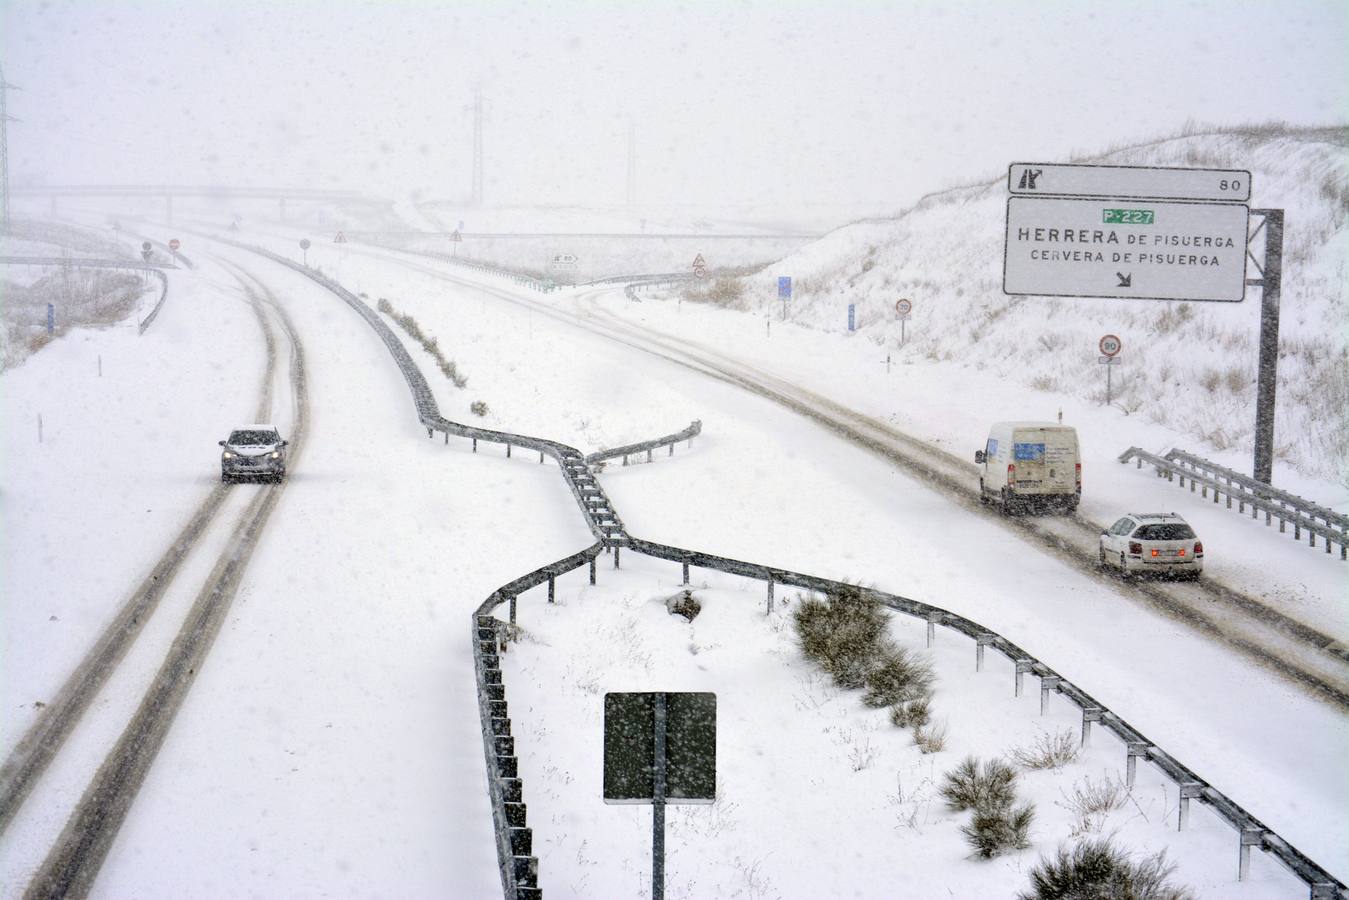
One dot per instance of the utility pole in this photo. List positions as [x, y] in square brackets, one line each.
[477, 146]
[5, 88]
[632, 164]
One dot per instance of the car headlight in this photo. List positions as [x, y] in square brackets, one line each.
[276, 454]
[228, 455]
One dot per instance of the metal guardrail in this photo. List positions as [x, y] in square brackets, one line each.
[695, 428]
[154, 269]
[1260, 497]
[521, 278]
[1251, 832]
[519, 867]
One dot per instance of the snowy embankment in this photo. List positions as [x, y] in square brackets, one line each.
[1188, 366]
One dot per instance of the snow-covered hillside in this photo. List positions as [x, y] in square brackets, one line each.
[1190, 366]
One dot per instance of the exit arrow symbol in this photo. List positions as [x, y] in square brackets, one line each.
[1125, 280]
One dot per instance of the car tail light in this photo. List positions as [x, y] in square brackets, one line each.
[1156, 552]
[1135, 548]
[1011, 473]
[1198, 549]
[1077, 470]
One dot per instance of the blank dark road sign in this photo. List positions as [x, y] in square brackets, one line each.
[630, 747]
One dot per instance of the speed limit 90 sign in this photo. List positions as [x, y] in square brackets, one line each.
[1110, 345]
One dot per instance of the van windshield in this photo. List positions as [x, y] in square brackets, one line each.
[1166, 531]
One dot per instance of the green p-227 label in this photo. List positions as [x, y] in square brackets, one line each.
[1126, 216]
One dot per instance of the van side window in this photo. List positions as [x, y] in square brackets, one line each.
[992, 448]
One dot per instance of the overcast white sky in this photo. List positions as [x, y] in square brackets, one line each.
[778, 103]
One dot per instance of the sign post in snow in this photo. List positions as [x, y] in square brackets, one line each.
[852, 316]
[903, 306]
[700, 266]
[784, 292]
[660, 748]
[51, 318]
[1110, 345]
[304, 248]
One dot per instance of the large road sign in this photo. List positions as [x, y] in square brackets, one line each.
[1143, 182]
[784, 287]
[1070, 247]
[174, 245]
[1110, 344]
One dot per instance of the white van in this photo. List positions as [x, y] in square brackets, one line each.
[1030, 466]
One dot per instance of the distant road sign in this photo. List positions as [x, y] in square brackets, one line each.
[145, 246]
[903, 306]
[565, 258]
[456, 236]
[174, 245]
[304, 243]
[1147, 182]
[340, 239]
[1110, 345]
[784, 287]
[1065, 247]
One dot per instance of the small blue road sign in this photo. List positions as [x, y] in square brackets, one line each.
[784, 287]
[51, 318]
[852, 317]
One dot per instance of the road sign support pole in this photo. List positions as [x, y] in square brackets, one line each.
[1107, 384]
[658, 805]
[1267, 380]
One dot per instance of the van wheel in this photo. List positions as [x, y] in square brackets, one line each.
[1101, 563]
[1006, 504]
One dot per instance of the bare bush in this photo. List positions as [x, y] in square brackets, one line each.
[478, 408]
[1049, 751]
[1097, 868]
[899, 677]
[843, 634]
[911, 713]
[994, 831]
[930, 738]
[972, 786]
[1090, 801]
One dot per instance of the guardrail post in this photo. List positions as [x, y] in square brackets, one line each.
[1089, 714]
[512, 609]
[979, 643]
[430, 433]
[770, 597]
[1047, 683]
[447, 438]
[1250, 837]
[592, 570]
[933, 620]
[648, 454]
[625, 459]
[475, 445]
[686, 572]
[551, 583]
[1188, 791]
[508, 451]
[615, 556]
[1022, 667]
[540, 457]
[1134, 749]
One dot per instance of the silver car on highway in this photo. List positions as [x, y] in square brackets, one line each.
[253, 451]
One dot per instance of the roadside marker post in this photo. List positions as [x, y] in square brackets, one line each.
[784, 292]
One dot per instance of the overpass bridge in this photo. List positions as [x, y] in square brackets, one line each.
[168, 192]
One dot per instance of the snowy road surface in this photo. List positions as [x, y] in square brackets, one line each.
[331, 740]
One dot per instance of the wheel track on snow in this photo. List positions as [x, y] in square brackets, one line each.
[48, 733]
[73, 862]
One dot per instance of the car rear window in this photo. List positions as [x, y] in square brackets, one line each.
[1166, 531]
[253, 438]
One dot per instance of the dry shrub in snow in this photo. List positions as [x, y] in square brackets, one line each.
[478, 408]
[930, 739]
[990, 790]
[971, 785]
[1050, 751]
[900, 677]
[1098, 869]
[843, 634]
[993, 831]
[914, 713]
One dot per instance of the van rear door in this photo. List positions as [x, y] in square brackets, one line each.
[1045, 460]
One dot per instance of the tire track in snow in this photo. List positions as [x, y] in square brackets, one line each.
[73, 862]
[48, 733]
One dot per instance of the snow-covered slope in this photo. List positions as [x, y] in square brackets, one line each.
[1190, 366]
